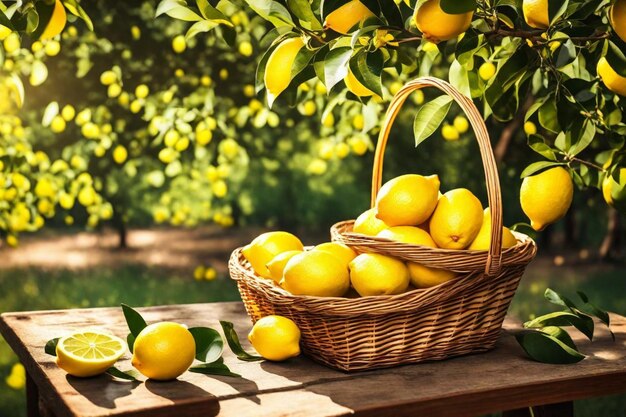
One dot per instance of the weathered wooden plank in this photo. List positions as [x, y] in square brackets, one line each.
[499, 380]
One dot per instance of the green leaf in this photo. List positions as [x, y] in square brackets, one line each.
[214, 368]
[211, 13]
[595, 311]
[459, 78]
[51, 346]
[272, 11]
[616, 58]
[583, 323]
[75, 8]
[556, 8]
[367, 69]
[458, 6]
[302, 10]
[585, 138]
[202, 26]
[336, 66]
[565, 54]
[233, 342]
[558, 299]
[209, 343]
[130, 341]
[538, 166]
[130, 375]
[538, 145]
[547, 116]
[177, 9]
[135, 322]
[546, 348]
[560, 334]
[429, 117]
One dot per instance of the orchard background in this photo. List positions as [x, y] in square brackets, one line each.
[164, 129]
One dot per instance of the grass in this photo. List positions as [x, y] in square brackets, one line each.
[138, 285]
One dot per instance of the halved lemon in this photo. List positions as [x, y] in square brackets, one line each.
[89, 353]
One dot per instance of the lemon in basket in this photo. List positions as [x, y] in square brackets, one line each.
[407, 200]
[316, 273]
[266, 246]
[276, 338]
[277, 265]
[338, 250]
[88, 353]
[421, 276]
[456, 220]
[376, 274]
[483, 239]
[546, 197]
[368, 224]
[164, 350]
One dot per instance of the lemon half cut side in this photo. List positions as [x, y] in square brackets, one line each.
[89, 353]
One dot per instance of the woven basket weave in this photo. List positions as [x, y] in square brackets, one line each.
[458, 317]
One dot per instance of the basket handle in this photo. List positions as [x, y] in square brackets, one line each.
[494, 196]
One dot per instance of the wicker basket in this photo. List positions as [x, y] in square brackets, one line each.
[458, 317]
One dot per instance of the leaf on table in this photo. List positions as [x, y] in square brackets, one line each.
[209, 344]
[582, 322]
[130, 341]
[135, 322]
[214, 368]
[51, 346]
[233, 342]
[544, 347]
[130, 375]
[595, 311]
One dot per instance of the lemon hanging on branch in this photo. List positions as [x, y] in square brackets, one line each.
[617, 16]
[278, 68]
[546, 197]
[437, 25]
[614, 192]
[57, 21]
[347, 16]
[536, 13]
[611, 79]
[356, 87]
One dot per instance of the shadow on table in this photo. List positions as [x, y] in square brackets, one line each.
[102, 394]
[242, 385]
[179, 392]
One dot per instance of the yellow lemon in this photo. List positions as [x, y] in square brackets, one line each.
[52, 48]
[88, 353]
[530, 128]
[245, 48]
[450, 133]
[437, 25]
[163, 351]
[278, 68]
[457, 219]
[142, 91]
[611, 79]
[316, 273]
[276, 266]
[617, 16]
[607, 187]
[407, 200]
[120, 154]
[266, 246]
[486, 71]
[376, 274]
[4, 32]
[179, 44]
[347, 16]
[56, 23]
[276, 338]
[482, 241]
[11, 43]
[57, 125]
[342, 252]
[68, 112]
[356, 87]
[536, 13]
[546, 197]
[368, 224]
[461, 124]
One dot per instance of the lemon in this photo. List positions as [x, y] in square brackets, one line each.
[179, 44]
[276, 266]
[617, 16]
[358, 121]
[611, 79]
[120, 154]
[536, 13]
[245, 48]
[266, 246]
[142, 91]
[359, 145]
[546, 197]
[316, 273]
[52, 48]
[437, 25]
[163, 351]
[219, 188]
[342, 252]
[376, 274]
[408, 234]
[530, 128]
[4, 32]
[407, 200]
[278, 68]
[461, 124]
[68, 112]
[57, 125]
[486, 71]
[88, 353]
[450, 133]
[482, 241]
[368, 224]
[607, 187]
[347, 16]
[457, 219]
[56, 23]
[11, 43]
[276, 338]
[356, 87]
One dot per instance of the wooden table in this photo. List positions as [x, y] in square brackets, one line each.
[502, 379]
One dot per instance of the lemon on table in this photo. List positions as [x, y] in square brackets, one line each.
[316, 273]
[456, 220]
[163, 351]
[546, 197]
[421, 276]
[88, 353]
[277, 265]
[345, 17]
[482, 241]
[266, 246]
[368, 224]
[342, 252]
[536, 13]
[407, 200]
[437, 25]
[376, 274]
[276, 338]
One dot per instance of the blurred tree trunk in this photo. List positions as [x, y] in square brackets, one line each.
[612, 238]
[509, 131]
[122, 232]
[571, 235]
